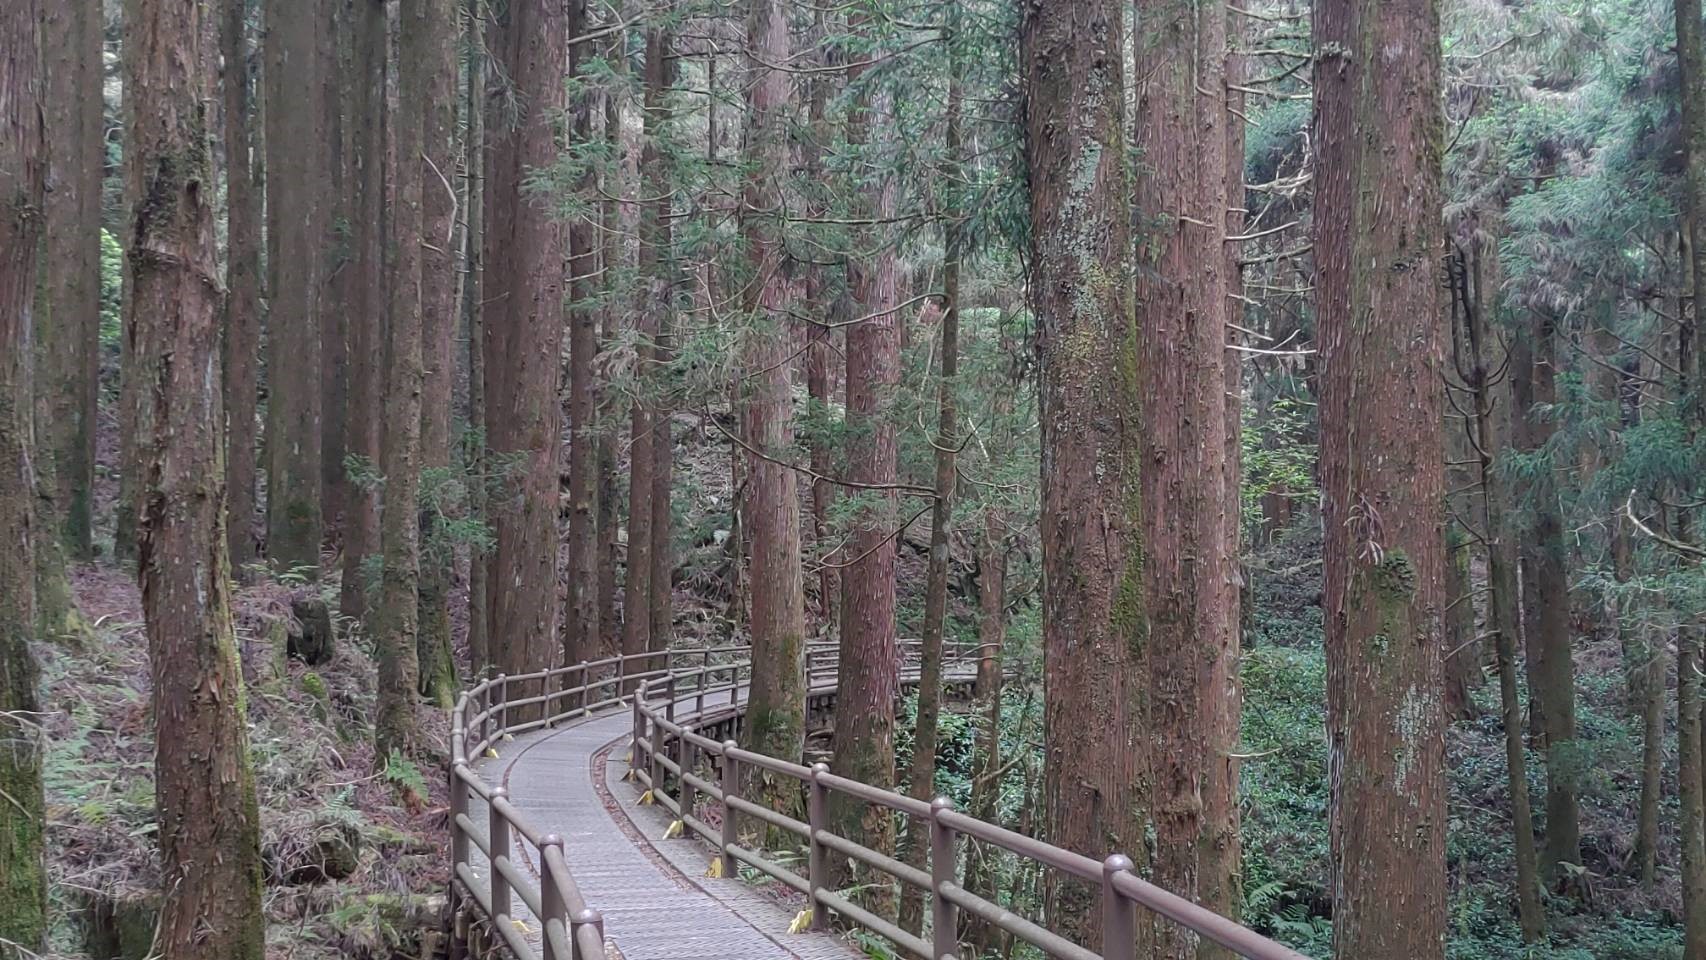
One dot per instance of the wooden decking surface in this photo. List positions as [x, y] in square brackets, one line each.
[656, 901]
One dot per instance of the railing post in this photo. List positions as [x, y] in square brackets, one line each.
[580, 671]
[621, 676]
[669, 697]
[497, 833]
[503, 702]
[550, 898]
[731, 791]
[656, 768]
[944, 917]
[586, 918]
[458, 807]
[639, 734]
[1119, 921]
[817, 819]
[684, 762]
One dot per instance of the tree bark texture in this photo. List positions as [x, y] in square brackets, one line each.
[775, 718]
[1182, 302]
[1378, 242]
[337, 208]
[1691, 659]
[438, 683]
[580, 628]
[473, 312]
[294, 217]
[23, 170]
[366, 322]
[245, 231]
[523, 324]
[1095, 626]
[868, 678]
[398, 614]
[209, 827]
[68, 325]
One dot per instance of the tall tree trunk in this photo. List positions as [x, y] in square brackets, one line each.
[366, 322]
[245, 231]
[921, 781]
[1475, 281]
[1094, 618]
[204, 788]
[399, 528]
[337, 209]
[523, 331]
[615, 184]
[637, 589]
[473, 312]
[991, 638]
[1462, 652]
[820, 340]
[1222, 880]
[438, 335]
[1379, 72]
[775, 717]
[580, 627]
[1378, 242]
[69, 320]
[1691, 59]
[295, 221]
[23, 166]
[868, 678]
[1546, 608]
[1182, 315]
[659, 49]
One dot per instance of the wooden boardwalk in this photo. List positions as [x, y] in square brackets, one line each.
[656, 901]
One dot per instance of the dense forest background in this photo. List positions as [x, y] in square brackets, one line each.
[522, 333]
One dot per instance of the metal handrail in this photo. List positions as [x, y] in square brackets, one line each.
[656, 717]
[508, 705]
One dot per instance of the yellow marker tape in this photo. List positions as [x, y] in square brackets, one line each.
[493, 754]
[674, 830]
[524, 928]
[646, 799]
[715, 871]
[802, 921]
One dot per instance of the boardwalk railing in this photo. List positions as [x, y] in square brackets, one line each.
[675, 695]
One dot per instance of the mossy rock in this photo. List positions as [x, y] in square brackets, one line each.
[328, 850]
[315, 639]
[119, 925]
[314, 686]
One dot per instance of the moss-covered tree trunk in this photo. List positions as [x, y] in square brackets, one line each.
[1095, 628]
[296, 235]
[438, 337]
[23, 162]
[337, 209]
[991, 638]
[245, 233]
[397, 615]
[1378, 242]
[775, 717]
[209, 827]
[523, 331]
[366, 321]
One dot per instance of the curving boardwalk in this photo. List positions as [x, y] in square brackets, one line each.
[656, 901]
[573, 842]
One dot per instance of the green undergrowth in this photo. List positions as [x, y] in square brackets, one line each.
[323, 806]
[1285, 797]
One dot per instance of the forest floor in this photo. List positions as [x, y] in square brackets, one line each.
[325, 807]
